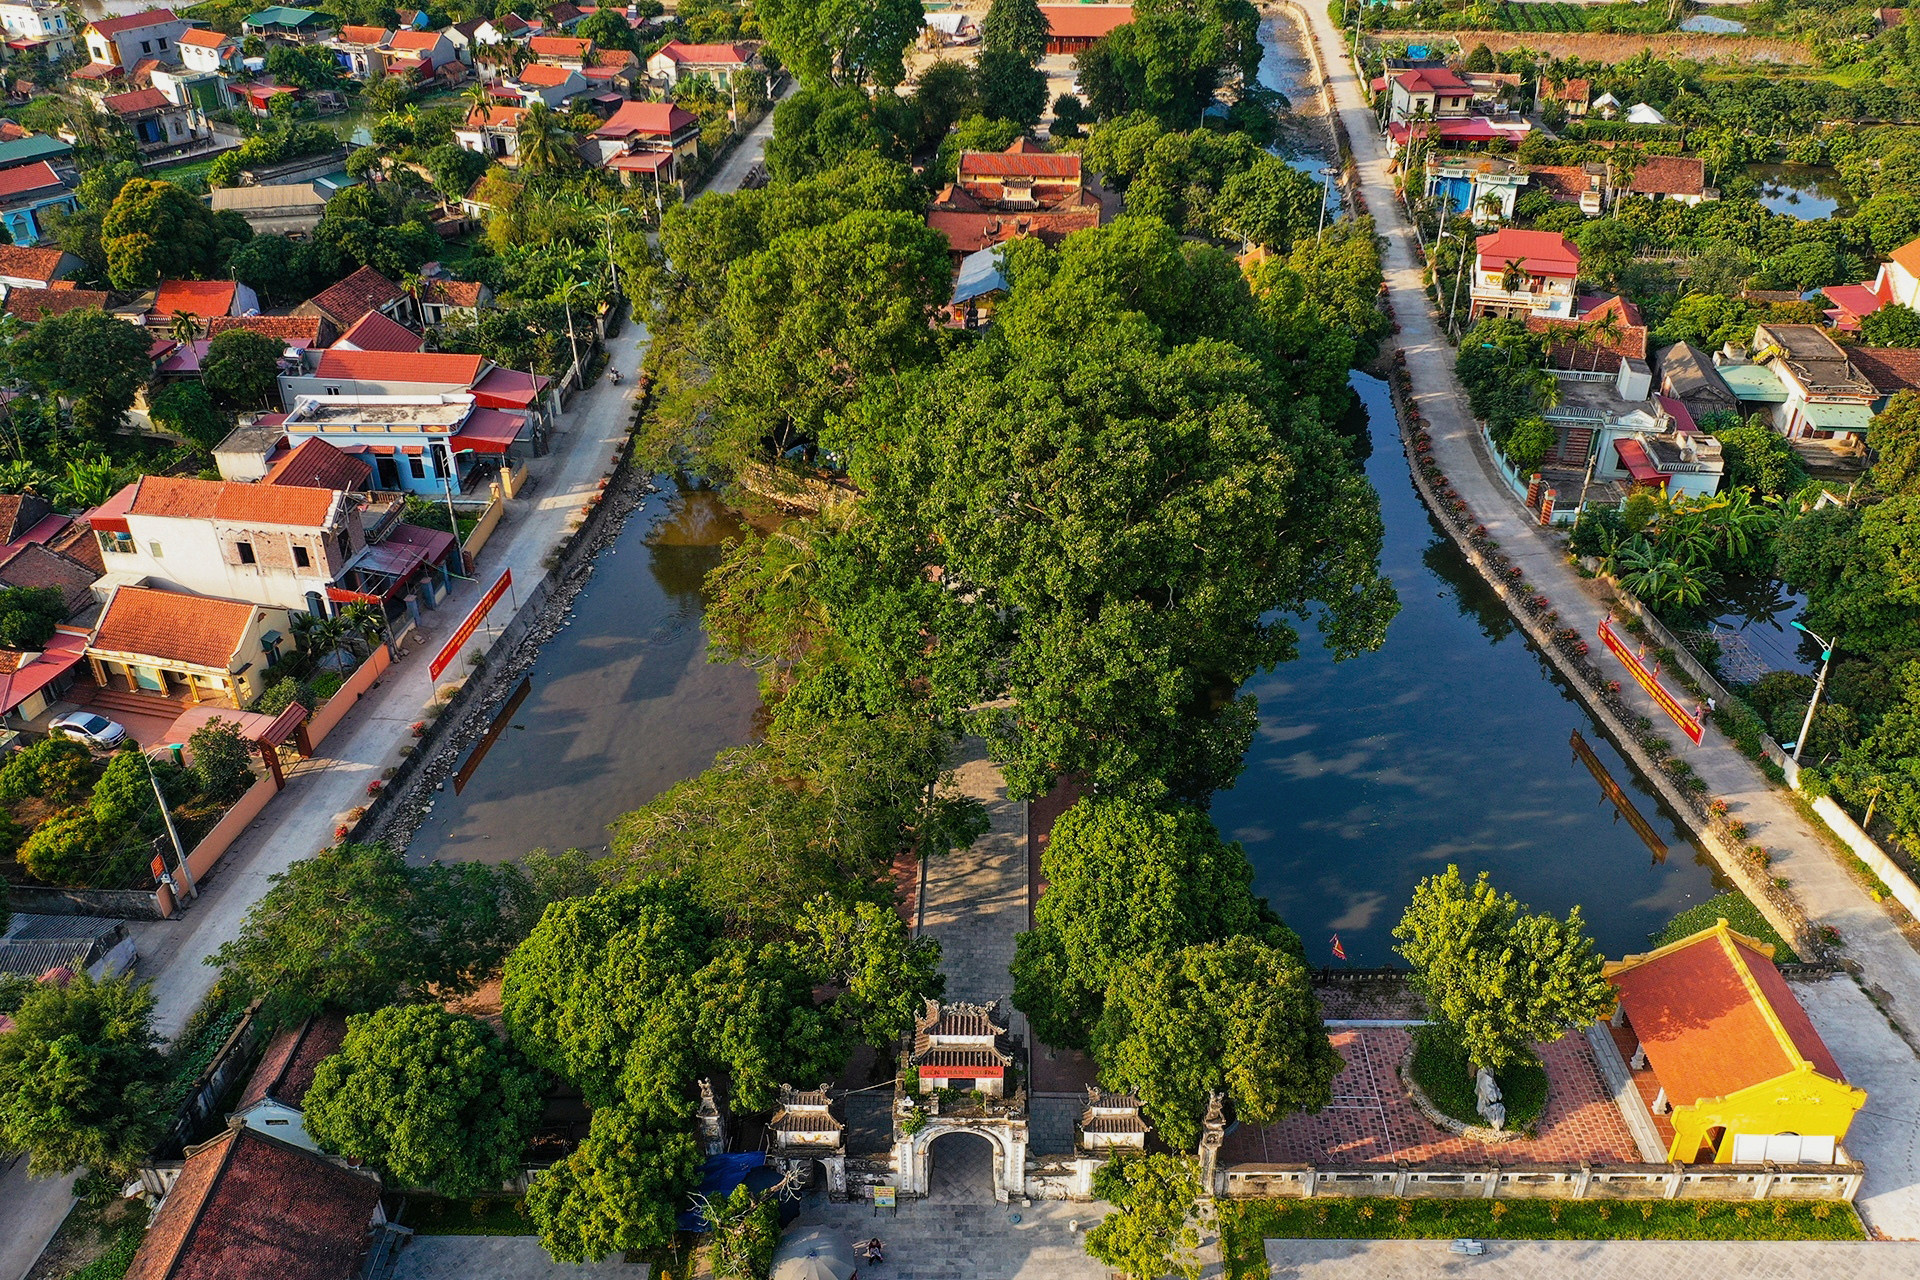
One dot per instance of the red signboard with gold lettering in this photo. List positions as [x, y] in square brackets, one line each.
[451, 649]
[1690, 723]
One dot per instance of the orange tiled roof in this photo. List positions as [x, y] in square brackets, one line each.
[1908, 256]
[203, 39]
[363, 291]
[559, 47]
[296, 331]
[171, 625]
[542, 76]
[316, 464]
[24, 263]
[1716, 1017]
[200, 298]
[38, 304]
[190, 498]
[418, 41]
[363, 35]
[400, 366]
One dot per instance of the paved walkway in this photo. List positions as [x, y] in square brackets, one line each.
[498, 1258]
[1886, 1134]
[967, 1241]
[1826, 891]
[1372, 1121]
[974, 900]
[1590, 1260]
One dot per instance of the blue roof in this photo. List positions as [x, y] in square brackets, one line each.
[980, 275]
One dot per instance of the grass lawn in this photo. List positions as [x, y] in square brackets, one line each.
[1440, 1069]
[182, 173]
[1740, 913]
[1245, 1224]
[493, 1216]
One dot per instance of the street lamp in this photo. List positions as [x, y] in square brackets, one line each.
[166, 815]
[566, 299]
[1327, 174]
[1819, 686]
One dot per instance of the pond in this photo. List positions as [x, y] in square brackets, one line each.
[1452, 743]
[1803, 191]
[1707, 25]
[623, 702]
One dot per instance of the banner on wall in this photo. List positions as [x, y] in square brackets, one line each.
[451, 650]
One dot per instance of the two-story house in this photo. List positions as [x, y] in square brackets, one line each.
[271, 544]
[340, 374]
[121, 43]
[281, 24]
[37, 24]
[362, 51]
[561, 51]
[27, 195]
[429, 443]
[555, 86]
[1524, 273]
[1828, 398]
[158, 124]
[1897, 281]
[431, 49]
[648, 128]
[492, 130]
[1428, 93]
[215, 52]
[340, 304]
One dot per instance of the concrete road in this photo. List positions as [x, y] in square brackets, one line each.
[923, 1240]
[753, 147]
[1589, 1260]
[1886, 1134]
[498, 1258]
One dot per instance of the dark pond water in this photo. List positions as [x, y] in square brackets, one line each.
[1305, 141]
[623, 702]
[1449, 744]
[1803, 191]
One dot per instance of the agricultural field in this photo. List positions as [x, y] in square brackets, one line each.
[1540, 17]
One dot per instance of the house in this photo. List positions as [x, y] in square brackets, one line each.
[1828, 398]
[362, 51]
[1687, 374]
[1891, 370]
[31, 682]
[1607, 105]
[283, 25]
[561, 51]
[297, 332]
[33, 944]
[505, 29]
[276, 1092]
[461, 36]
[246, 1204]
[651, 127]
[201, 299]
[374, 332]
[26, 520]
[413, 19]
[614, 71]
[156, 122]
[446, 299]
[1898, 280]
[1428, 93]
[1571, 95]
[171, 644]
[1582, 185]
[1459, 131]
[119, 44]
[1075, 28]
[1481, 185]
[1604, 330]
[423, 442]
[212, 51]
[29, 148]
[432, 47]
[37, 24]
[492, 131]
[271, 545]
[555, 86]
[1524, 273]
[363, 291]
[28, 305]
[1682, 179]
[24, 267]
[27, 195]
[960, 1046]
[676, 60]
[290, 209]
[998, 196]
[1739, 1074]
[34, 565]
[350, 375]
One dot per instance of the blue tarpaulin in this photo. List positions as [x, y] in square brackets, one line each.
[721, 1174]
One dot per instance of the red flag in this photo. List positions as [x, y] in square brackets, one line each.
[1339, 952]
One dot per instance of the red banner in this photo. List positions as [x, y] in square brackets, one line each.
[1690, 723]
[452, 648]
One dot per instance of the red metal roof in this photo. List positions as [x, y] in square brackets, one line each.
[1085, 21]
[659, 119]
[642, 162]
[1541, 253]
[401, 366]
[63, 649]
[1633, 456]
[488, 431]
[705, 54]
[132, 21]
[1432, 80]
[125, 104]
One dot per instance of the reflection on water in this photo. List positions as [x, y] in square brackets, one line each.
[1803, 191]
[624, 703]
[1452, 743]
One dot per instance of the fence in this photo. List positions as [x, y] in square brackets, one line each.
[1560, 1182]
[326, 719]
[489, 520]
[217, 841]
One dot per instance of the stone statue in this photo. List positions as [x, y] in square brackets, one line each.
[1488, 1102]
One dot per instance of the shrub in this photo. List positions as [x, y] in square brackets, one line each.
[55, 768]
[1441, 1070]
[65, 849]
[280, 695]
[221, 760]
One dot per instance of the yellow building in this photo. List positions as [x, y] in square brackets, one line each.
[1743, 1077]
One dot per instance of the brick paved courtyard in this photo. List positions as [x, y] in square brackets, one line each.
[1371, 1120]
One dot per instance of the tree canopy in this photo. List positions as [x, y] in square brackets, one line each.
[844, 42]
[157, 231]
[427, 1097]
[91, 358]
[1496, 976]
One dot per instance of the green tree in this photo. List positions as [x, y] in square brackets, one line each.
[1069, 113]
[354, 928]
[1759, 458]
[843, 42]
[67, 849]
[1017, 27]
[97, 362]
[822, 127]
[1236, 1017]
[545, 146]
[242, 368]
[618, 1192]
[427, 1097]
[1497, 977]
[1150, 1234]
[862, 950]
[1126, 880]
[157, 231]
[28, 616]
[1606, 248]
[1894, 435]
[81, 1077]
[1011, 88]
[946, 91]
[1893, 325]
[1270, 204]
[608, 29]
[185, 409]
[222, 760]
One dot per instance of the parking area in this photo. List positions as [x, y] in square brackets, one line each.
[1886, 1134]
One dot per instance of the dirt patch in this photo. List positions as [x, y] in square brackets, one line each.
[1619, 48]
[88, 1235]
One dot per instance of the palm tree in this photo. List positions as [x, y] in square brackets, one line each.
[478, 99]
[1603, 331]
[319, 638]
[543, 141]
[183, 328]
[1512, 276]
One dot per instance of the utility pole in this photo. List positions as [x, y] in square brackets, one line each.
[166, 815]
[1819, 687]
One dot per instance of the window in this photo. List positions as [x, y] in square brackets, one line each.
[246, 552]
[300, 558]
[119, 544]
[163, 42]
[418, 465]
[333, 391]
[153, 549]
[146, 46]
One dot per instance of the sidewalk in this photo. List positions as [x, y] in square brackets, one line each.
[1889, 966]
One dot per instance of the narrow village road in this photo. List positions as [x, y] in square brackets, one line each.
[1889, 966]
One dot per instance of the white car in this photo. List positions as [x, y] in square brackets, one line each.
[91, 728]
